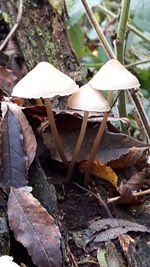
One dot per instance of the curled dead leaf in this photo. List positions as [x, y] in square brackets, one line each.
[101, 170]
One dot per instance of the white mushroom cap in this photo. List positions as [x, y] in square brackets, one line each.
[44, 81]
[114, 76]
[88, 99]
[7, 261]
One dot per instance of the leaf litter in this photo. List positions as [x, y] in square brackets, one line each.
[117, 155]
[34, 228]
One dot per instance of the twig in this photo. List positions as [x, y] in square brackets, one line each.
[99, 198]
[141, 111]
[74, 263]
[131, 27]
[98, 30]
[14, 28]
[139, 194]
[133, 64]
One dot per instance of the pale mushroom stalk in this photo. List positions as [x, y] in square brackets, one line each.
[78, 145]
[89, 100]
[54, 131]
[97, 141]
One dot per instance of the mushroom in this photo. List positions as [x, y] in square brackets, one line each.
[46, 81]
[86, 99]
[112, 76]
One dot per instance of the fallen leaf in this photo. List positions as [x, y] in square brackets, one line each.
[107, 229]
[101, 170]
[13, 156]
[132, 179]
[7, 80]
[113, 145]
[34, 228]
[29, 141]
[134, 156]
[128, 245]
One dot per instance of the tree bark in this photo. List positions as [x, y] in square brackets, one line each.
[41, 35]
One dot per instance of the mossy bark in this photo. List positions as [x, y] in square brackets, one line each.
[41, 35]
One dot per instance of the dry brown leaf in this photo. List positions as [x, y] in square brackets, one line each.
[7, 80]
[133, 179]
[108, 229]
[13, 156]
[29, 140]
[128, 245]
[34, 228]
[113, 145]
[135, 154]
[101, 170]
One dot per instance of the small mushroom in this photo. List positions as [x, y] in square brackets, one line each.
[112, 76]
[86, 99]
[46, 81]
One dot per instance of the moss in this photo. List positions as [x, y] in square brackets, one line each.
[7, 18]
[49, 46]
[58, 5]
[30, 3]
[33, 42]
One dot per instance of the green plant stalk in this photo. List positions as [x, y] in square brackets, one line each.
[130, 27]
[97, 28]
[120, 44]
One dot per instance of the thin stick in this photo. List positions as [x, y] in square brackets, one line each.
[139, 194]
[14, 28]
[131, 27]
[54, 131]
[78, 145]
[99, 198]
[97, 142]
[133, 64]
[98, 29]
[141, 111]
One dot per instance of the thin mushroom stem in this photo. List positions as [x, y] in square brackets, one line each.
[97, 142]
[54, 131]
[78, 145]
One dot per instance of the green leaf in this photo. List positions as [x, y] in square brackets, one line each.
[76, 36]
[141, 11]
[101, 257]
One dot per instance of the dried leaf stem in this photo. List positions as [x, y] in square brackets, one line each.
[97, 28]
[14, 28]
[141, 111]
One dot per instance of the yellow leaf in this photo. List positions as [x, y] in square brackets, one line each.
[101, 170]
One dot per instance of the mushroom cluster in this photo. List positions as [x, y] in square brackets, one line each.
[46, 81]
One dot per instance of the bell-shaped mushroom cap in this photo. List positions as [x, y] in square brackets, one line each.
[88, 99]
[114, 76]
[44, 81]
